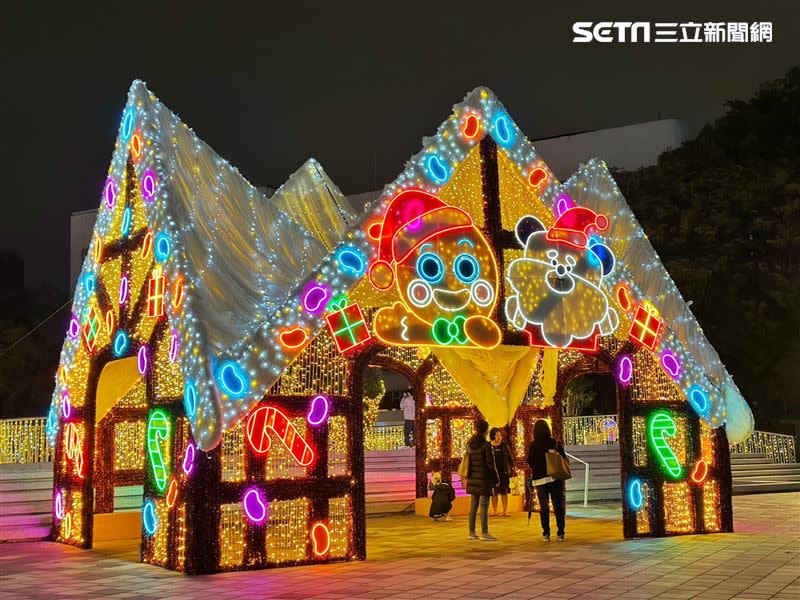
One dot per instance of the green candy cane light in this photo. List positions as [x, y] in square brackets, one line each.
[158, 431]
[660, 426]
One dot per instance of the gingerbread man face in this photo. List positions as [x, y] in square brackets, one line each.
[450, 274]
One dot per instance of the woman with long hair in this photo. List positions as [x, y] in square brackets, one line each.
[547, 488]
[481, 480]
[504, 463]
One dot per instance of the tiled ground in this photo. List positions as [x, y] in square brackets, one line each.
[410, 557]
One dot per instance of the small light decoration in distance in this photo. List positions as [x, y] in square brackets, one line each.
[646, 326]
[149, 185]
[255, 508]
[149, 518]
[623, 296]
[660, 425]
[266, 421]
[624, 370]
[315, 297]
[351, 261]
[66, 407]
[537, 177]
[121, 343]
[110, 193]
[232, 380]
[158, 432]
[172, 493]
[58, 505]
[293, 338]
[318, 411]
[671, 363]
[348, 327]
[190, 399]
[142, 359]
[162, 247]
[471, 126]
[700, 471]
[635, 496]
[320, 539]
[437, 169]
[698, 399]
[188, 459]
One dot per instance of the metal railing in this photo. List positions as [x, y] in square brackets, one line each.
[778, 446]
[590, 430]
[387, 437]
[585, 478]
[24, 441]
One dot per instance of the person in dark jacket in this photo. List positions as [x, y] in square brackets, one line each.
[547, 488]
[504, 463]
[481, 480]
[441, 499]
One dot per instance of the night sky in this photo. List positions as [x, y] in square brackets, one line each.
[349, 86]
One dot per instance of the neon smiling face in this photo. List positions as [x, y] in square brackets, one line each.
[452, 273]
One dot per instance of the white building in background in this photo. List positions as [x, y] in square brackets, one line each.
[628, 148]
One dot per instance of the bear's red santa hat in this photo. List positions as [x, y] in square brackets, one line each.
[573, 226]
[412, 218]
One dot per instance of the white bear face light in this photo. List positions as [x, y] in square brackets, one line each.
[557, 296]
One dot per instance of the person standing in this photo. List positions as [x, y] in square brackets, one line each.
[481, 480]
[547, 488]
[504, 463]
[408, 407]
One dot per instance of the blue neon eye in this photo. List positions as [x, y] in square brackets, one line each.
[466, 268]
[430, 267]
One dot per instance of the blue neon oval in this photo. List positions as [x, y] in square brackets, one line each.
[437, 169]
[502, 131]
[162, 247]
[232, 380]
[121, 342]
[128, 122]
[698, 399]
[351, 261]
[635, 496]
[190, 399]
[126, 221]
[149, 518]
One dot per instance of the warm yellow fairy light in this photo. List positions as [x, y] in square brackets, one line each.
[129, 445]
[337, 446]
[287, 530]
[340, 525]
[678, 508]
[231, 535]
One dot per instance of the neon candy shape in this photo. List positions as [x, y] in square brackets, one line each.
[111, 321]
[351, 261]
[172, 493]
[74, 327]
[149, 518]
[158, 431]
[178, 291]
[52, 423]
[660, 426]
[149, 185]
[97, 250]
[563, 204]
[128, 123]
[232, 380]
[188, 459]
[503, 132]
[293, 338]
[110, 193]
[147, 244]
[89, 283]
[635, 496]
[58, 505]
[318, 412]
[173, 346]
[91, 328]
[156, 293]
[121, 343]
[125, 228]
[142, 360]
[254, 506]
[537, 177]
[266, 421]
[315, 297]
[136, 146]
[623, 295]
[471, 127]
[124, 289]
[320, 539]
[671, 363]
[190, 399]
[698, 399]
[66, 407]
[645, 327]
[68, 525]
[348, 327]
[74, 448]
[63, 375]
[437, 169]
[624, 370]
[163, 247]
[700, 471]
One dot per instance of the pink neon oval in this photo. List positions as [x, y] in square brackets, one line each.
[671, 364]
[563, 204]
[188, 459]
[625, 371]
[124, 289]
[66, 407]
[58, 505]
[318, 411]
[149, 184]
[74, 327]
[173, 347]
[254, 506]
[142, 360]
[110, 192]
[316, 297]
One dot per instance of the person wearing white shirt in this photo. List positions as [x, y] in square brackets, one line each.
[409, 415]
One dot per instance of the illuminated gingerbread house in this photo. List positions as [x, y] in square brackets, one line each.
[219, 339]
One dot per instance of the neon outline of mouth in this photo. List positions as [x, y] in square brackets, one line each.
[450, 296]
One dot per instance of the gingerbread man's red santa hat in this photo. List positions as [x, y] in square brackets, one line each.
[412, 218]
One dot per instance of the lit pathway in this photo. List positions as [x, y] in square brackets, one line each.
[410, 557]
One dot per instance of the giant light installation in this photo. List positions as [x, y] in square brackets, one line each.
[241, 327]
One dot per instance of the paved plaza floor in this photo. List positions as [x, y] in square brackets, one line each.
[410, 557]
